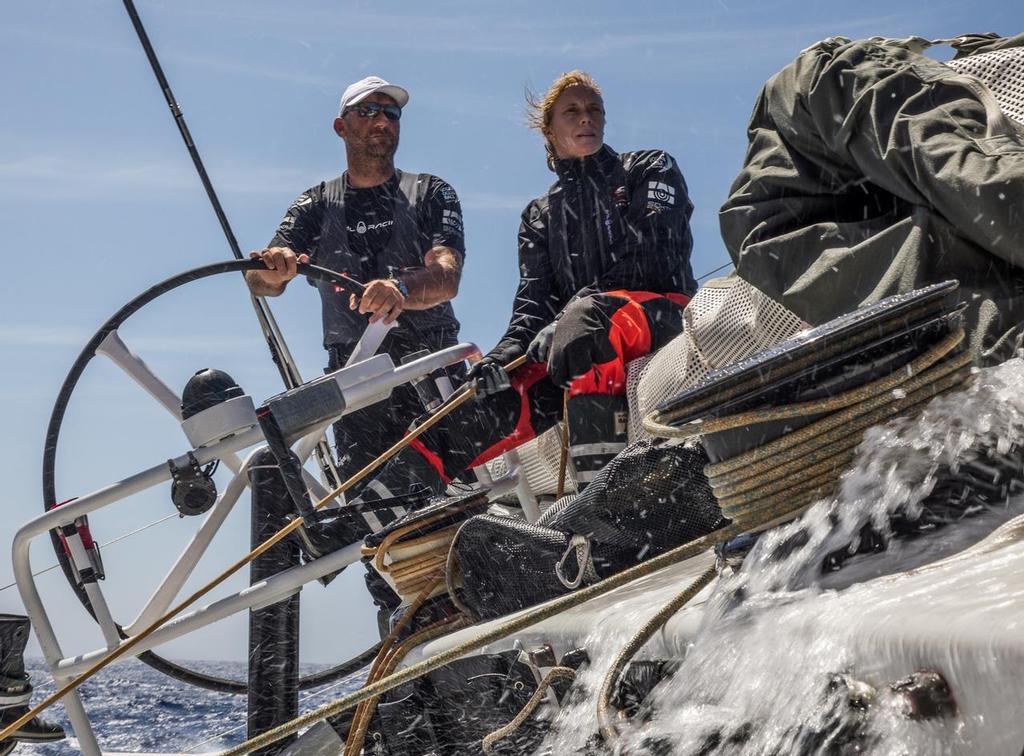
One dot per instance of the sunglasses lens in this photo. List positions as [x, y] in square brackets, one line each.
[372, 109]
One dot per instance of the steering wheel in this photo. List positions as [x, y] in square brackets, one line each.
[95, 346]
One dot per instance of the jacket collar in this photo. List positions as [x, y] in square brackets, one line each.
[601, 161]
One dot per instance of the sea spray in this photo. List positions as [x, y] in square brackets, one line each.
[782, 641]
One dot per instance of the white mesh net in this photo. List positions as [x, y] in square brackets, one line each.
[727, 320]
[538, 459]
[1002, 71]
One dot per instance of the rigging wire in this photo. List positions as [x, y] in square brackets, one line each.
[716, 270]
[112, 541]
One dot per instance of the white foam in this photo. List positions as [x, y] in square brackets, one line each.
[759, 668]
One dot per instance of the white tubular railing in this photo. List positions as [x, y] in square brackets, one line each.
[267, 592]
[356, 393]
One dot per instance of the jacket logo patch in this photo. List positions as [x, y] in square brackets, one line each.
[659, 193]
[362, 227]
[448, 194]
[451, 221]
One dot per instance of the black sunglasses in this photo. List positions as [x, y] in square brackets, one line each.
[372, 109]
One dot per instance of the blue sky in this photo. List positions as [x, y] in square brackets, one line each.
[99, 200]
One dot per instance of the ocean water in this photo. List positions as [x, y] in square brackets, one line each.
[135, 708]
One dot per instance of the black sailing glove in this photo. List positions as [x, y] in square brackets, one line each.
[580, 341]
[489, 375]
[540, 347]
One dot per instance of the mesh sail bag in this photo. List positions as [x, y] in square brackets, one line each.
[507, 564]
[726, 321]
[1002, 71]
[650, 498]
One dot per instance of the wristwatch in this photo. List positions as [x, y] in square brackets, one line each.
[400, 285]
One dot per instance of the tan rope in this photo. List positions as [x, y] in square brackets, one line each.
[795, 366]
[803, 409]
[773, 481]
[563, 456]
[841, 425]
[432, 572]
[555, 673]
[412, 574]
[880, 407]
[454, 401]
[392, 538]
[366, 709]
[795, 456]
[388, 643]
[605, 719]
[422, 540]
[412, 569]
[782, 476]
[450, 578]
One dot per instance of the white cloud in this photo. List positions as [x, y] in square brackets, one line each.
[19, 335]
[60, 336]
[50, 175]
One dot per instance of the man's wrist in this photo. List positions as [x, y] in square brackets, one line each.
[401, 285]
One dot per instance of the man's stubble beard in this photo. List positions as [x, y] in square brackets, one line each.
[376, 155]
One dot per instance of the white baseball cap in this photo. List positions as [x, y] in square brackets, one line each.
[365, 87]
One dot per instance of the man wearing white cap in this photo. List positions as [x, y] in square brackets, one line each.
[398, 233]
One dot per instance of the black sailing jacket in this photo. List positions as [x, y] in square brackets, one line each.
[609, 222]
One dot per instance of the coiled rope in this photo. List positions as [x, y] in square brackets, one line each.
[775, 482]
[804, 465]
[414, 563]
